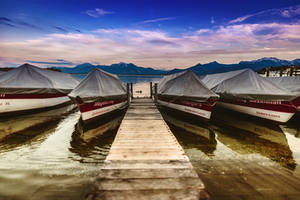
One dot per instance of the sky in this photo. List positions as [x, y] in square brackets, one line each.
[148, 33]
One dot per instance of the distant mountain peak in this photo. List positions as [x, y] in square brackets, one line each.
[214, 62]
[200, 69]
[85, 64]
[267, 59]
[122, 64]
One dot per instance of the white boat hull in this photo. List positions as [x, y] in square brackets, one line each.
[277, 116]
[187, 109]
[16, 105]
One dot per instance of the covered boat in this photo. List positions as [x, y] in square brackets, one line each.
[185, 92]
[212, 80]
[249, 93]
[30, 88]
[291, 83]
[99, 93]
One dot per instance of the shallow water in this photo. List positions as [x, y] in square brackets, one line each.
[54, 163]
[130, 78]
[44, 155]
[240, 157]
[237, 157]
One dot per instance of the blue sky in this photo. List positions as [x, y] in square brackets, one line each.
[159, 34]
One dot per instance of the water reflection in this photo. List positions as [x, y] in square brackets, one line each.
[16, 131]
[293, 126]
[140, 79]
[95, 138]
[191, 133]
[50, 161]
[246, 135]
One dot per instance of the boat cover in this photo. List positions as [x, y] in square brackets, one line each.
[291, 83]
[184, 85]
[99, 85]
[249, 85]
[29, 79]
[212, 80]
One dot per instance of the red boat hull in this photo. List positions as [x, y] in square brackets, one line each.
[92, 111]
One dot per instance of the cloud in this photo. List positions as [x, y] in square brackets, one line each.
[19, 24]
[201, 31]
[270, 15]
[240, 19]
[157, 20]
[212, 20]
[46, 28]
[162, 42]
[157, 48]
[7, 22]
[5, 19]
[108, 31]
[97, 12]
[266, 31]
[57, 62]
[28, 25]
[61, 29]
[286, 13]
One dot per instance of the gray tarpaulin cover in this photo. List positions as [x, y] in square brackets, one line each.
[250, 85]
[291, 83]
[212, 80]
[34, 80]
[185, 85]
[99, 85]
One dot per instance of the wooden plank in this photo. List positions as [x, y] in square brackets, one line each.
[146, 161]
[148, 183]
[186, 194]
[147, 164]
[146, 173]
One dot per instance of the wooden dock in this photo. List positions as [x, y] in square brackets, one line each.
[146, 161]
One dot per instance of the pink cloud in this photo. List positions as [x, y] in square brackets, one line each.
[227, 44]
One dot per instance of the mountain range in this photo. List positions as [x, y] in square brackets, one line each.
[200, 69]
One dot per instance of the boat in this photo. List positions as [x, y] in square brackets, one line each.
[212, 80]
[98, 94]
[291, 83]
[185, 92]
[29, 89]
[249, 93]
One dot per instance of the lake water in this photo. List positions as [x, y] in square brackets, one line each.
[50, 156]
[131, 78]
[240, 157]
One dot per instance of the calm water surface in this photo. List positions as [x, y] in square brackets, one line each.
[237, 157]
[131, 78]
[50, 162]
[240, 157]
